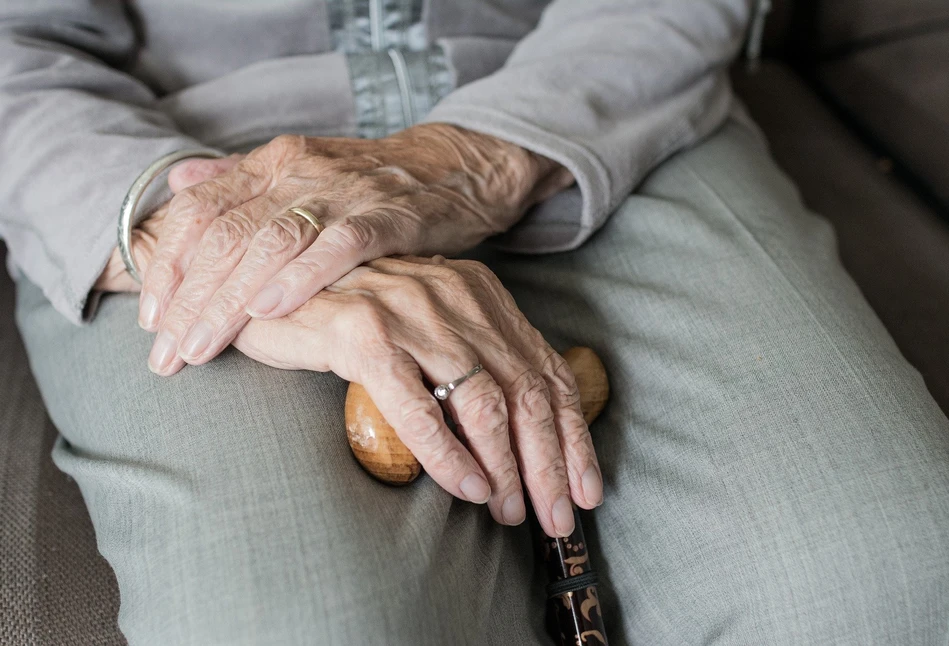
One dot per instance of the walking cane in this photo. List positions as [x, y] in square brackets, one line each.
[573, 608]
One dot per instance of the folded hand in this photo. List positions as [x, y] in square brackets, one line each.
[391, 323]
[230, 249]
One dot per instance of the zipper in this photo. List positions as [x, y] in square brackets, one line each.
[409, 112]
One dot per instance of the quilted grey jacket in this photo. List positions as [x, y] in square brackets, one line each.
[92, 91]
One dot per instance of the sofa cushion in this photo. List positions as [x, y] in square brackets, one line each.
[899, 93]
[894, 245]
[845, 25]
[54, 586]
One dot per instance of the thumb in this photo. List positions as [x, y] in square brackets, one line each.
[194, 171]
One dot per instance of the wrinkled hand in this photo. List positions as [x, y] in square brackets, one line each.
[230, 249]
[114, 278]
[387, 324]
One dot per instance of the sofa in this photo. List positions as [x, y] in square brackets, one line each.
[854, 98]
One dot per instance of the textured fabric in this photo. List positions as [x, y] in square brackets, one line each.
[377, 25]
[54, 589]
[775, 470]
[21, 425]
[632, 82]
[891, 241]
[393, 90]
[899, 92]
[91, 92]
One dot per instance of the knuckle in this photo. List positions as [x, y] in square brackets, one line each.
[227, 303]
[552, 473]
[183, 311]
[408, 289]
[451, 280]
[277, 235]
[562, 382]
[421, 419]
[226, 235]
[189, 201]
[486, 415]
[533, 396]
[509, 475]
[349, 234]
[366, 321]
[253, 167]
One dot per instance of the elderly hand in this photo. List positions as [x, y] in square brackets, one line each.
[114, 278]
[230, 249]
[388, 324]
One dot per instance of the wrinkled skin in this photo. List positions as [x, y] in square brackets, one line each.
[229, 249]
[391, 322]
[387, 324]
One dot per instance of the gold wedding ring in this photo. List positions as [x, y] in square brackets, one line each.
[309, 217]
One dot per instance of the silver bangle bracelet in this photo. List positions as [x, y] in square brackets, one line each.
[130, 203]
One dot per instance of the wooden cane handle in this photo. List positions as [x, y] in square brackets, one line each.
[380, 451]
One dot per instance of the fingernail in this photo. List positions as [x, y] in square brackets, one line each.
[148, 313]
[199, 338]
[164, 350]
[268, 298]
[513, 511]
[562, 513]
[592, 486]
[475, 488]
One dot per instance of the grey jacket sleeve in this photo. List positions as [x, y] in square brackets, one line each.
[74, 134]
[608, 88]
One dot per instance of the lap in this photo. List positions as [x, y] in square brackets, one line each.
[229, 506]
[775, 471]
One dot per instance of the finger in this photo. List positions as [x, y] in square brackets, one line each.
[535, 438]
[197, 170]
[397, 389]
[220, 250]
[583, 469]
[480, 411]
[343, 246]
[279, 240]
[576, 443]
[190, 213]
[530, 416]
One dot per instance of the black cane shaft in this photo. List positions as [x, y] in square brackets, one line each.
[573, 607]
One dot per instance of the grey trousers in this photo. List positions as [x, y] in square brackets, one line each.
[776, 473]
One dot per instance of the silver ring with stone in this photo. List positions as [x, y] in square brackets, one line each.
[443, 391]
